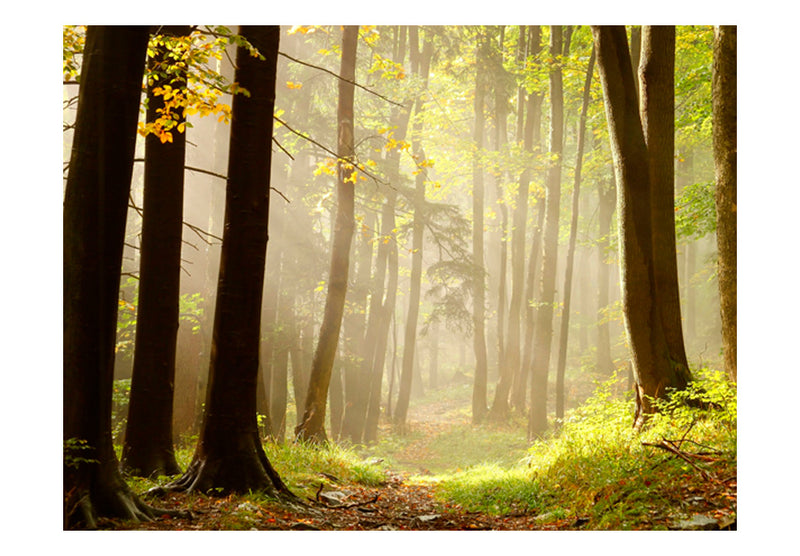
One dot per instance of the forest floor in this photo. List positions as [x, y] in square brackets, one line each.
[404, 502]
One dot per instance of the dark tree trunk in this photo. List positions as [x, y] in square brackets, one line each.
[653, 371]
[573, 232]
[313, 425]
[657, 107]
[724, 137]
[410, 335]
[95, 208]
[543, 334]
[479, 392]
[148, 448]
[229, 455]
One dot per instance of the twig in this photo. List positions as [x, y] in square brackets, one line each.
[356, 504]
[287, 153]
[337, 76]
[669, 447]
[359, 167]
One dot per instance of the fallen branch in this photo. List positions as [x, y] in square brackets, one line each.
[669, 447]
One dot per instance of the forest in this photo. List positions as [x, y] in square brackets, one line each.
[400, 277]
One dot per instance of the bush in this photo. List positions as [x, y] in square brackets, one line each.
[599, 467]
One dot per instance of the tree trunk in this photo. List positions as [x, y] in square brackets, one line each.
[357, 383]
[657, 107]
[518, 392]
[512, 372]
[573, 232]
[543, 334]
[724, 137]
[313, 425]
[607, 200]
[409, 345]
[383, 306]
[148, 448]
[479, 393]
[501, 138]
[229, 456]
[95, 208]
[652, 369]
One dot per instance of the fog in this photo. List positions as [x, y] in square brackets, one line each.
[303, 201]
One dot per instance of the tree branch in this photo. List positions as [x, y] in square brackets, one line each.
[337, 76]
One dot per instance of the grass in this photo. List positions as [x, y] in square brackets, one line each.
[594, 469]
[597, 468]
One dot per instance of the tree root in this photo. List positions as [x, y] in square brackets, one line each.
[84, 510]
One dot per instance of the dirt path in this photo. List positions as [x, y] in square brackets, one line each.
[396, 506]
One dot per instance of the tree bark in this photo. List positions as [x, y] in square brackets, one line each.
[313, 425]
[724, 139]
[95, 208]
[657, 107]
[148, 448]
[653, 371]
[229, 456]
[543, 334]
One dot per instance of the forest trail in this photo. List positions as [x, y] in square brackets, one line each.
[401, 503]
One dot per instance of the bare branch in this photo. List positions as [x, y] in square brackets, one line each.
[337, 76]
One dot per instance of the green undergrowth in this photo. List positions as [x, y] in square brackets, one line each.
[301, 466]
[304, 466]
[599, 470]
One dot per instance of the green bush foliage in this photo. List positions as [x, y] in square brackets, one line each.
[599, 467]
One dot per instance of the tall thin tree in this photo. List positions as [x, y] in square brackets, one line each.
[229, 455]
[573, 233]
[479, 408]
[313, 425]
[148, 445]
[421, 62]
[543, 333]
[657, 107]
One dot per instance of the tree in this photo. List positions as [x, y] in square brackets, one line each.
[657, 107]
[313, 424]
[512, 371]
[420, 64]
[543, 332]
[479, 408]
[229, 455]
[95, 207]
[573, 231]
[724, 137]
[653, 371]
[382, 307]
[148, 448]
